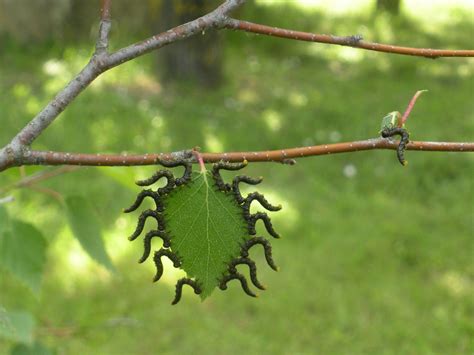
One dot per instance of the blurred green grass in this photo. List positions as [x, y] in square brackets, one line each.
[374, 259]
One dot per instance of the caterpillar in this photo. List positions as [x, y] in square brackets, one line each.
[180, 256]
[404, 139]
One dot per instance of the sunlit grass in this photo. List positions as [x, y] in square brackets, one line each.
[374, 258]
[329, 7]
[430, 13]
[457, 284]
[431, 16]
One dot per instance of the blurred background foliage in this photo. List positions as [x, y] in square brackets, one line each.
[374, 259]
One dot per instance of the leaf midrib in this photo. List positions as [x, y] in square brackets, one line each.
[202, 243]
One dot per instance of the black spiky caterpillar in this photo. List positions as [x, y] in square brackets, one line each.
[233, 191]
[404, 139]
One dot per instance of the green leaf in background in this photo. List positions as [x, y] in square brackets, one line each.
[124, 177]
[5, 322]
[4, 220]
[23, 252]
[4, 225]
[207, 228]
[35, 349]
[19, 326]
[85, 226]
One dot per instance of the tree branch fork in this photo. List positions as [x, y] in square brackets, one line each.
[18, 152]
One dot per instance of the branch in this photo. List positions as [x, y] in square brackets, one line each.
[105, 9]
[102, 44]
[30, 180]
[280, 155]
[349, 41]
[215, 19]
[18, 152]
[100, 62]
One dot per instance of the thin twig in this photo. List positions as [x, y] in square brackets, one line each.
[349, 41]
[280, 155]
[101, 61]
[49, 192]
[215, 19]
[410, 106]
[105, 9]
[18, 153]
[30, 180]
[102, 44]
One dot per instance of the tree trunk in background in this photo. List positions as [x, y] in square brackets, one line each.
[33, 21]
[198, 58]
[390, 6]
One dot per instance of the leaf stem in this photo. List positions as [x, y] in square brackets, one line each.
[200, 160]
[410, 106]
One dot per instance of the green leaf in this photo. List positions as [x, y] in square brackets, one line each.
[35, 349]
[4, 220]
[18, 326]
[85, 226]
[5, 322]
[23, 253]
[4, 226]
[207, 228]
[124, 177]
